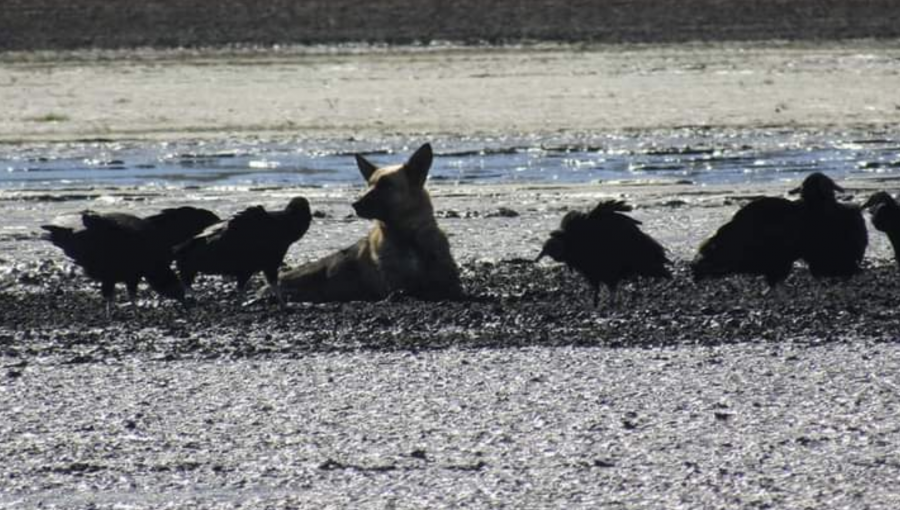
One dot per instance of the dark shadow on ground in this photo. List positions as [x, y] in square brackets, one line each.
[60, 317]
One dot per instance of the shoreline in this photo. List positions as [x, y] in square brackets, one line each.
[681, 215]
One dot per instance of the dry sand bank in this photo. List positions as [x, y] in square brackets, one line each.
[447, 92]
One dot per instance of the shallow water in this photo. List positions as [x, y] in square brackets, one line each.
[695, 156]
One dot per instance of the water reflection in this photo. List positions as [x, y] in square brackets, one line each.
[705, 157]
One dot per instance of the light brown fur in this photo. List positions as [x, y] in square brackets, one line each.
[405, 251]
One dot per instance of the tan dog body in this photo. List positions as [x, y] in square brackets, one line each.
[405, 251]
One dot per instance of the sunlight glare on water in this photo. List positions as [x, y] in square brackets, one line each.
[704, 157]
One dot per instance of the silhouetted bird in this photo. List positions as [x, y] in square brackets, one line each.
[606, 247]
[119, 247]
[177, 225]
[253, 240]
[761, 239]
[833, 235]
[886, 218]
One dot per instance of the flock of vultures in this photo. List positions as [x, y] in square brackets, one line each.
[765, 237]
[121, 247]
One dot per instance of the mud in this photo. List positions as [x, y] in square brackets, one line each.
[52, 24]
[511, 304]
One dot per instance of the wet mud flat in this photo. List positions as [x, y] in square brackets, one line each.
[698, 394]
[511, 303]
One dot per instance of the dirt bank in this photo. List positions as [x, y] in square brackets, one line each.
[57, 24]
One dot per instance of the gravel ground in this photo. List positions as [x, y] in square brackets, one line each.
[686, 395]
[739, 426]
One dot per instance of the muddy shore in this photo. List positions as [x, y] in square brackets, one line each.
[54, 24]
[699, 395]
[524, 395]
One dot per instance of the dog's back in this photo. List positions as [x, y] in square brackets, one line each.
[404, 252]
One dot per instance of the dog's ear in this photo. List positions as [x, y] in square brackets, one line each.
[418, 165]
[365, 168]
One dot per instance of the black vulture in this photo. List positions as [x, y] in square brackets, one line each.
[761, 239]
[119, 247]
[886, 218]
[253, 240]
[606, 246]
[176, 225]
[833, 235]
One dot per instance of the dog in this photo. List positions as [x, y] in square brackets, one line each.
[405, 252]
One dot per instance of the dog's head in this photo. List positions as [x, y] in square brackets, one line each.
[396, 194]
